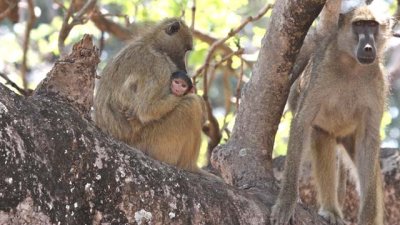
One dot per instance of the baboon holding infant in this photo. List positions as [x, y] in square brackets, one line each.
[134, 102]
[342, 97]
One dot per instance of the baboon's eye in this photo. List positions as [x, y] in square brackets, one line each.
[358, 23]
[370, 23]
[373, 23]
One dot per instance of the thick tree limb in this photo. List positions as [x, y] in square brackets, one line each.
[57, 167]
[70, 172]
[325, 28]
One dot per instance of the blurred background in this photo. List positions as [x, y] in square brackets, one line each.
[228, 33]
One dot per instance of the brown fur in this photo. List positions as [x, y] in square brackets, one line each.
[133, 100]
[340, 101]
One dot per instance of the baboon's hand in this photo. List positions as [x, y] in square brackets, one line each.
[129, 114]
[282, 212]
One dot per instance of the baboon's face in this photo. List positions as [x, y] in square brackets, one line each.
[174, 38]
[362, 35]
[365, 32]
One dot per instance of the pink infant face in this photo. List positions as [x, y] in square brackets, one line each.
[179, 87]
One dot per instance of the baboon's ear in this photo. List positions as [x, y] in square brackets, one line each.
[341, 20]
[173, 28]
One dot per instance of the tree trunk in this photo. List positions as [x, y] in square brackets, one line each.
[246, 160]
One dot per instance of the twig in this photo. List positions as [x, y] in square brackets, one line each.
[60, 5]
[79, 18]
[124, 16]
[239, 52]
[210, 40]
[29, 25]
[223, 40]
[193, 15]
[104, 24]
[86, 8]
[11, 6]
[212, 130]
[14, 85]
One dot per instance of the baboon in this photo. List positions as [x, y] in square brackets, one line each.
[134, 102]
[342, 98]
[181, 84]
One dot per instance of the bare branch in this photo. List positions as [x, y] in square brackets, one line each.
[29, 24]
[223, 40]
[11, 6]
[210, 40]
[14, 85]
[86, 8]
[79, 18]
[109, 26]
[212, 131]
[239, 52]
[193, 15]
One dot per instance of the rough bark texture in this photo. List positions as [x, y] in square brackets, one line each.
[390, 163]
[58, 168]
[326, 25]
[72, 78]
[245, 161]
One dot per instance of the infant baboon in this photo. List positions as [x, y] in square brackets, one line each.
[134, 102]
[342, 99]
[181, 84]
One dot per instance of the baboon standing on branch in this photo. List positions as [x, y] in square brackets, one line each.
[342, 100]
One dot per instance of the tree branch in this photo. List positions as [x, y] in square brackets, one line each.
[79, 18]
[109, 26]
[325, 27]
[215, 45]
[29, 24]
[60, 168]
[14, 85]
[11, 6]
